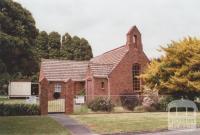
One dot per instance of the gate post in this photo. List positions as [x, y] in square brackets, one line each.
[69, 97]
[44, 97]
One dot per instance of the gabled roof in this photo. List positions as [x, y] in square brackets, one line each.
[103, 65]
[63, 70]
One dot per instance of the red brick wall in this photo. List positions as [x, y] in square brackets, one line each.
[89, 87]
[98, 88]
[79, 86]
[121, 77]
[46, 93]
[52, 89]
[69, 99]
[43, 93]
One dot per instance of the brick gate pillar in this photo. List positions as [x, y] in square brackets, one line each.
[69, 97]
[43, 97]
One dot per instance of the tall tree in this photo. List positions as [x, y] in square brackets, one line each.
[41, 45]
[75, 48]
[66, 50]
[178, 72]
[85, 50]
[17, 36]
[54, 45]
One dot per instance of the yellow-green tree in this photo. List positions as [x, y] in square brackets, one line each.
[178, 71]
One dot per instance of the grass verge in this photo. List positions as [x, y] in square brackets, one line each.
[30, 125]
[125, 122]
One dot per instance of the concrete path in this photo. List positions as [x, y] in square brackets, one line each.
[73, 126]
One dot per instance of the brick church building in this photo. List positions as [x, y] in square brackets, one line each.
[108, 74]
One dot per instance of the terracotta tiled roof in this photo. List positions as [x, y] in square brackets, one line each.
[62, 70]
[102, 65]
[101, 70]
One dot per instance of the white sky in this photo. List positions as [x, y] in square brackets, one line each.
[104, 23]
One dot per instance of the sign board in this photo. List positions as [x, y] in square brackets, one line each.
[79, 100]
[19, 89]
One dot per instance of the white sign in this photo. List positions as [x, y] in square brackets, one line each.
[80, 100]
[20, 89]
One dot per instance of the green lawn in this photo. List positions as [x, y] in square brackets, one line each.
[30, 125]
[125, 122]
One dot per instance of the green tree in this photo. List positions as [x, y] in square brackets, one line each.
[85, 50]
[66, 50]
[54, 45]
[41, 45]
[17, 37]
[75, 48]
[4, 77]
[178, 71]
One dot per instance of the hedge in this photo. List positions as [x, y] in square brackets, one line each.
[18, 109]
[101, 104]
[129, 102]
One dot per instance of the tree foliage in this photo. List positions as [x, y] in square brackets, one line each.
[178, 72]
[75, 48]
[41, 45]
[17, 36]
[54, 44]
[22, 45]
[69, 48]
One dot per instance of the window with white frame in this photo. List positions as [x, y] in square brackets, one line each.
[58, 87]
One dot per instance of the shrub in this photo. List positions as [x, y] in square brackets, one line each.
[164, 101]
[129, 102]
[81, 92]
[101, 104]
[142, 108]
[147, 101]
[56, 95]
[18, 109]
[150, 102]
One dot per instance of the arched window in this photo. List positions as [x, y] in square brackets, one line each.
[134, 38]
[102, 85]
[136, 79]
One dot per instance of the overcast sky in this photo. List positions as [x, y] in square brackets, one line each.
[104, 23]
